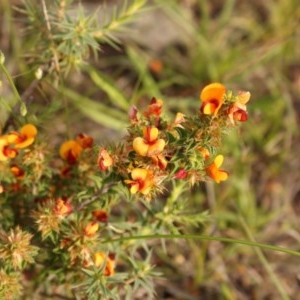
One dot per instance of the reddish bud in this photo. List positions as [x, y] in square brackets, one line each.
[181, 174]
[100, 215]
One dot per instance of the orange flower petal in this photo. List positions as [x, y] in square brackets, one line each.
[23, 139]
[28, 130]
[160, 161]
[91, 228]
[100, 215]
[85, 141]
[212, 91]
[17, 172]
[212, 98]
[155, 108]
[70, 151]
[214, 172]
[27, 142]
[204, 152]
[62, 207]
[221, 176]
[100, 258]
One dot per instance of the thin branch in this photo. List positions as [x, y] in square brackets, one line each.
[45, 12]
[55, 295]
[104, 189]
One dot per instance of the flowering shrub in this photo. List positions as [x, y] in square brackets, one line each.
[72, 210]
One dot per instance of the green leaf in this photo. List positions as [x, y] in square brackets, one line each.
[109, 87]
[98, 112]
[182, 132]
[170, 137]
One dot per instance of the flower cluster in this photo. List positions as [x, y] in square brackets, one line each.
[184, 148]
[70, 194]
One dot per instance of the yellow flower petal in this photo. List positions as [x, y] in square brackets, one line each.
[150, 134]
[139, 173]
[219, 160]
[134, 188]
[140, 146]
[243, 97]
[156, 148]
[3, 143]
[208, 108]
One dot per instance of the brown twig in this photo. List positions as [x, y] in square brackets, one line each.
[104, 189]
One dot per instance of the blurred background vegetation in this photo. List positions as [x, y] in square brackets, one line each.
[171, 49]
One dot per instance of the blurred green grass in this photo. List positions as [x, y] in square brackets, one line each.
[249, 45]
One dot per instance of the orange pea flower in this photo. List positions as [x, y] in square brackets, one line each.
[24, 138]
[104, 159]
[154, 108]
[160, 161]
[204, 152]
[100, 215]
[70, 151]
[156, 65]
[5, 151]
[17, 172]
[150, 145]
[91, 228]
[142, 181]
[62, 207]
[212, 98]
[85, 141]
[100, 258]
[214, 172]
[238, 110]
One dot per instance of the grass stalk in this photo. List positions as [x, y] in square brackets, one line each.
[264, 261]
[204, 238]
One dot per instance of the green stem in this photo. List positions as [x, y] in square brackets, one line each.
[11, 82]
[203, 237]
[264, 261]
[177, 191]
